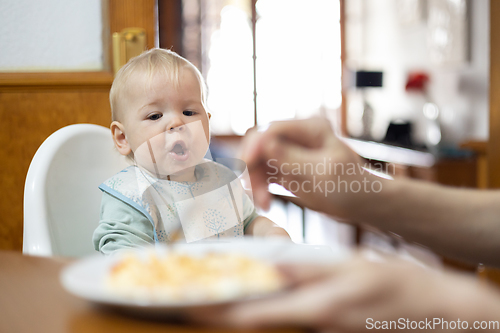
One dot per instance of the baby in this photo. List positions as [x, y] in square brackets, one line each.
[158, 105]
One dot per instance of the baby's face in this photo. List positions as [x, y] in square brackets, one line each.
[166, 124]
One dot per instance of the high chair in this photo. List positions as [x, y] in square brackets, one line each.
[61, 195]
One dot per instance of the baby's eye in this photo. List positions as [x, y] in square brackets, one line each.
[189, 113]
[155, 116]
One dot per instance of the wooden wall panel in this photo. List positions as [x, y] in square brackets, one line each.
[493, 147]
[493, 144]
[134, 13]
[34, 105]
[27, 118]
[170, 25]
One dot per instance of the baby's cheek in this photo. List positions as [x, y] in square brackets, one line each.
[201, 143]
[150, 151]
[143, 158]
[207, 133]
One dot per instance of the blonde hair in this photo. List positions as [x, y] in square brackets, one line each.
[152, 62]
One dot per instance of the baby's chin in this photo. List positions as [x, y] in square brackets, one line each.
[161, 173]
[183, 170]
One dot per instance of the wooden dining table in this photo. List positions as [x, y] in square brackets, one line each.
[32, 299]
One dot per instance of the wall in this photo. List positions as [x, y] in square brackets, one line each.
[51, 35]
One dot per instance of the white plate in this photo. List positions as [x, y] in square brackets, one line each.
[86, 277]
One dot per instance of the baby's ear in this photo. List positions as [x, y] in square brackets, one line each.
[119, 138]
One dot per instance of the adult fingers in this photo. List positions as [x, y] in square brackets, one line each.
[275, 160]
[312, 303]
[279, 160]
[315, 304]
[298, 274]
[293, 308]
[258, 180]
[309, 133]
[262, 197]
[284, 156]
[293, 166]
[251, 147]
[303, 273]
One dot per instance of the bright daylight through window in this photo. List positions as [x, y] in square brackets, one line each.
[298, 66]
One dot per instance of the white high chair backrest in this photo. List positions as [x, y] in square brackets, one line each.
[61, 195]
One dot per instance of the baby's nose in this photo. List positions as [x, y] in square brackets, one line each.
[178, 128]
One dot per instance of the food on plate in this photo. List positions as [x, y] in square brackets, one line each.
[181, 277]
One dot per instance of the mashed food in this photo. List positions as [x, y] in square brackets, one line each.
[186, 278]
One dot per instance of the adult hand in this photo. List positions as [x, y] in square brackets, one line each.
[308, 159]
[458, 223]
[360, 294]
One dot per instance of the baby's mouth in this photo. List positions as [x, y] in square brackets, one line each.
[178, 149]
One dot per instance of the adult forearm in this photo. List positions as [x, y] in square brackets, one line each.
[455, 222]
[458, 223]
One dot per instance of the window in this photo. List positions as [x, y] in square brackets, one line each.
[297, 67]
